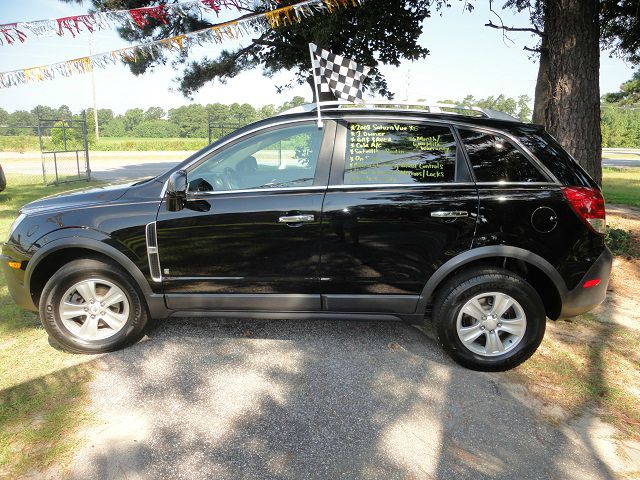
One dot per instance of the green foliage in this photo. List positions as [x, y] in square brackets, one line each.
[64, 137]
[132, 119]
[155, 129]
[361, 33]
[155, 113]
[620, 127]
[629, 93]
[620, 242]
[114, 128]
[518, 108]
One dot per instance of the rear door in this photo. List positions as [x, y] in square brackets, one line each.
[400, 203]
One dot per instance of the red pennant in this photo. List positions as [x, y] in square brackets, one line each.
[140, 15]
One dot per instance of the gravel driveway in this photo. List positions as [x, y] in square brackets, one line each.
[207, 398]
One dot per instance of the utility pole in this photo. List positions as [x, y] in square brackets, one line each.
[93, 89]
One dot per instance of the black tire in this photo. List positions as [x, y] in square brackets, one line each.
[453, 296]
[68, 276]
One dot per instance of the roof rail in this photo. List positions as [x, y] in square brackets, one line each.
[445, 108]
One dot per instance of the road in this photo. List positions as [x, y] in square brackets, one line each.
[228, 399]
[133, 165]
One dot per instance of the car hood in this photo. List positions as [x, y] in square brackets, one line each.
[78, 198]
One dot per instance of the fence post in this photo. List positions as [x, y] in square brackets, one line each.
[44, 171]
[86, 143]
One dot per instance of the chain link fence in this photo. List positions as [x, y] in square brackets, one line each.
[52, 152]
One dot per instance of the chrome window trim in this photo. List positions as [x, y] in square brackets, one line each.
[257, 190]
[401, 185]
[236, 138]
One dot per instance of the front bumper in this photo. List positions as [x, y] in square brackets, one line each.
[581, 300]
[15, 278]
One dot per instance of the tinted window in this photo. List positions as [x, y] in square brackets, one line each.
[495, 159]
[554, 157]
[379, 152]
[280, 158]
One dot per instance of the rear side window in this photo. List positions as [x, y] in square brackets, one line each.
[389, 153]
[555, 158]
[495, 159]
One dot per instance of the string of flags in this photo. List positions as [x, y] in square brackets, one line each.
[248, 24]
[10, 33]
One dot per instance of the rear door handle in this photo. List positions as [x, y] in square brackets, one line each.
[297, 219]
[450, 214]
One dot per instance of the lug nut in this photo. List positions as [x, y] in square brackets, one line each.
[93, 316]
[499, 324]
[492, 332]
[92, 301]
[482, 327]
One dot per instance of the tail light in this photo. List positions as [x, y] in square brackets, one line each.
[589, 205]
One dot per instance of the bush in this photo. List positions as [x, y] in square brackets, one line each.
[155, 129]
[619, 242]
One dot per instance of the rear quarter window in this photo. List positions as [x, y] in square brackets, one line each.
[555, 158]
[495, 159]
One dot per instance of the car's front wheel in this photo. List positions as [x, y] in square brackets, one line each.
[89, 306]
[489, 319]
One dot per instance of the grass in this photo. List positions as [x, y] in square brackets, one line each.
[621, 156]
[586, 363]
[30, 143]
[621, 185]
[43, 393]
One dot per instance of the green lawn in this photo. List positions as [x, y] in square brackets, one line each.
[30, 143]
[42, 390]
[621, 185]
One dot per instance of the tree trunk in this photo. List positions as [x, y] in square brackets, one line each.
[572, 111]
[542, 86]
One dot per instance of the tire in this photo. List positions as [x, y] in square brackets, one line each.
[113, 316]
[494, 341]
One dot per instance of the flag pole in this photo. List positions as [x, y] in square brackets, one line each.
[315, 81]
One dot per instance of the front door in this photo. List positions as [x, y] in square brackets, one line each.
[249, 235]
[400, 203]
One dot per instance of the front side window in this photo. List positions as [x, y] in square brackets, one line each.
[397, 153]
[286, 157]
[495, 159]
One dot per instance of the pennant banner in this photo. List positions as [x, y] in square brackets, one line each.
[11, 33]
[216, 33]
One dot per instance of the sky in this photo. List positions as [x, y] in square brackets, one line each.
[466, 58]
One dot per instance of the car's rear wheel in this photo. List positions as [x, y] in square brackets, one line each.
[89, 306]
[489, 319]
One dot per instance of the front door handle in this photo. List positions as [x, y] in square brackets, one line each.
[297, 219]
[450, 214]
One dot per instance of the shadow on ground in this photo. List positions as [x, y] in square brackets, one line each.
[214, 398]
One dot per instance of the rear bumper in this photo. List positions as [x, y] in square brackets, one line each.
[580, 300]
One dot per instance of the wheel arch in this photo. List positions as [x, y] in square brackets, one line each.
[540, 274]
[49, 258]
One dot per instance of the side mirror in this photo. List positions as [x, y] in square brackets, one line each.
[177, 191]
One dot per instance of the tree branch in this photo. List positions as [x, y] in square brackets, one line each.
[514, 29]
[270, 43]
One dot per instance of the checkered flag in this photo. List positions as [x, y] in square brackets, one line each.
[339, 75]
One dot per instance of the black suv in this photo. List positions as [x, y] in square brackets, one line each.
[484, 226]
